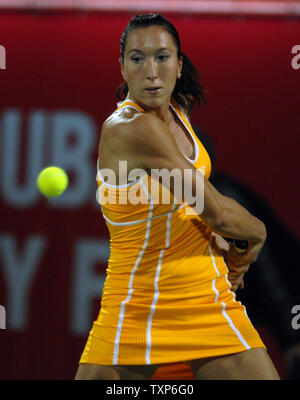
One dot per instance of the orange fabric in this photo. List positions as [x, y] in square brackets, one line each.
[176, 371]
[166, 297]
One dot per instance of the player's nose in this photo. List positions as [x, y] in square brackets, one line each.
[151, 70]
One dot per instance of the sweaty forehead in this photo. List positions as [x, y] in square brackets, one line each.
[149, 39]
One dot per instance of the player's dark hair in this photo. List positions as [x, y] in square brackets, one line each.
[187, 90]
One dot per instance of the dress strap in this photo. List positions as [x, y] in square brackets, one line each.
[131, 104]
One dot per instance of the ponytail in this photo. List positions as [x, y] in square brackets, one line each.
[188, 90]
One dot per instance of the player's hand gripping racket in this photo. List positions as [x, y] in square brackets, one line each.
[240, 246]
[236, 274]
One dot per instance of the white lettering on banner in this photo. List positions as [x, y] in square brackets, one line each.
[87, 284]
[75, 157]
[19, 269]
[2, 317]
[296, 60]
[2, 57]
[296, 319]
[13, 193]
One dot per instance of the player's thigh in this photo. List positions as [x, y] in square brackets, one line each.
[115, 372]
[250, 364]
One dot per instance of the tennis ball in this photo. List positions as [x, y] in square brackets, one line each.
[52, 181]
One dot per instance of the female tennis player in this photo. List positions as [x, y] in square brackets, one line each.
[169, 294]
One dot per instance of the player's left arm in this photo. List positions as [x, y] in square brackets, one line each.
[236, 273]
[237, 260]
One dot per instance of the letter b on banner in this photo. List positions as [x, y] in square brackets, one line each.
[2, 318]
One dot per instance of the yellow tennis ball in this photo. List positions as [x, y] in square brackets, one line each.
[52, 181]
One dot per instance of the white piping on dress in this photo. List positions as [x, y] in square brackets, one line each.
[139, 221]
[190, 133]
[224, 313]
[130, 288]
[156, 289]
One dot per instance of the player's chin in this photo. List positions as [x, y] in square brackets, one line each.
[154, 102]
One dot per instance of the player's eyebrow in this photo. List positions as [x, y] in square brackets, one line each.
[140, 51]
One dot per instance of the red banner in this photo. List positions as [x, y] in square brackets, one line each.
[57, 87]
[289, 8]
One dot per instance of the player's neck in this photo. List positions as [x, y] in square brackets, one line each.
[163, 112]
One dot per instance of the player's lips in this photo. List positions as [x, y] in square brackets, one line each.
[153, 89]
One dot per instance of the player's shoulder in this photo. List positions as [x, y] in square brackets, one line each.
[131, 124]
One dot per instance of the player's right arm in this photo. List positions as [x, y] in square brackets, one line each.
[152, 144]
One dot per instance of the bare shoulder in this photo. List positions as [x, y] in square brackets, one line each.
[117, 120]
[114, 128]
[134, 129]
[121, 138]
[152, 136]
[131, 121]
[142, 139]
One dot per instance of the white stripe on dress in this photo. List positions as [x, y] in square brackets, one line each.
[156, 289]
[213, 258]
[224, 313]
[130, 288]
[232, 326]
[234, 295]
[140, 220]
[187, 128]
[124, 185]
[215, 290]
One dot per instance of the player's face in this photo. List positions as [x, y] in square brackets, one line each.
[151, 66]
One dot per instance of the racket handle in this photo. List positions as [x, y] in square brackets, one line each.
[241, 246]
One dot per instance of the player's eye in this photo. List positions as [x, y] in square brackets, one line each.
[163, 57]
[136, 59]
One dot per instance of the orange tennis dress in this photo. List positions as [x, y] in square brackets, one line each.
[166, 296]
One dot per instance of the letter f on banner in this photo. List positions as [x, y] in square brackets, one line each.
[2, 57]
[2, 318]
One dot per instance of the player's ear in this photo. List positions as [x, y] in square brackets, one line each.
[180, 62]
[122, 68]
